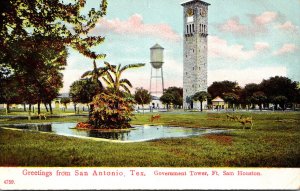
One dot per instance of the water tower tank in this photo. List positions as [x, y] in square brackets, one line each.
[156, 56]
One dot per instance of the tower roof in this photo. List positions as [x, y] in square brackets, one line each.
[156, 46]
[194, 1]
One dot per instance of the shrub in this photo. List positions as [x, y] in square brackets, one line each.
[111, 111]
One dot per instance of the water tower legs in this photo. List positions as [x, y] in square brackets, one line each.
[156, 77]
[162, 80]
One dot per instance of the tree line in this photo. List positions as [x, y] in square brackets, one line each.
[280, 91]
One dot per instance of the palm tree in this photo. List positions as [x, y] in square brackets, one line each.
[201, 96]
[113, 76]
[95, 74]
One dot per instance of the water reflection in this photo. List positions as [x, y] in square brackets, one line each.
[138, 133]
[108, 135]
[44, 127]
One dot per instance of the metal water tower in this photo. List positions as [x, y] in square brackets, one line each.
[157, 60]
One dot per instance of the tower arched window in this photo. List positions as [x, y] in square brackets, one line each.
[187, 29]
[193, 27]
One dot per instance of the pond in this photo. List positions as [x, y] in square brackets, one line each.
[137, 133]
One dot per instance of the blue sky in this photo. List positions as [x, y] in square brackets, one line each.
[249, 40]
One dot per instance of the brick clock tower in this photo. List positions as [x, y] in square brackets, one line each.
[194, 51]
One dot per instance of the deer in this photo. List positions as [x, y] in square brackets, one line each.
[237, 118]
[246, 120]
[154, 117]
[42, 115]
[229, 117]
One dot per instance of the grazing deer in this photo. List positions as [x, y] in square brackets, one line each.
[237, 118]
[42, 115]
[229, 117]
[154, 117]
[246, 120]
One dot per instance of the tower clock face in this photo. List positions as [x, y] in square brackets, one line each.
[203, 12]
[190, 12]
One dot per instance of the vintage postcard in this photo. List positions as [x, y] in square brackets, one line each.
[149, 94]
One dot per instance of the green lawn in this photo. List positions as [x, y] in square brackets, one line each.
[273, 142]
[18, 111]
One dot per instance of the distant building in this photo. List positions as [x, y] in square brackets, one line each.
[154, 106]
[218, 103]
[156, 103]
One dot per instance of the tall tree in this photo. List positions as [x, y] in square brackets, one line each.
[39, 66]
[231, 99]
[281, 100]
[219, 88]
[65, 101]
[201, 97]
[142, 97]
[22, 18]
[246, 95]
[177, 93]
[33, 25]
[259, 98]
[83, 91]
[280, 86]
[9, 92]
[297, 97]
[167, 98]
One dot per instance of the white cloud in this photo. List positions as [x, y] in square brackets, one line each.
[265, 18]
[287, 26]
[262, 46]
[286, 48]
[258, 24]
[220, 48]
[233, 25]
[245, 76]
[134, 25]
